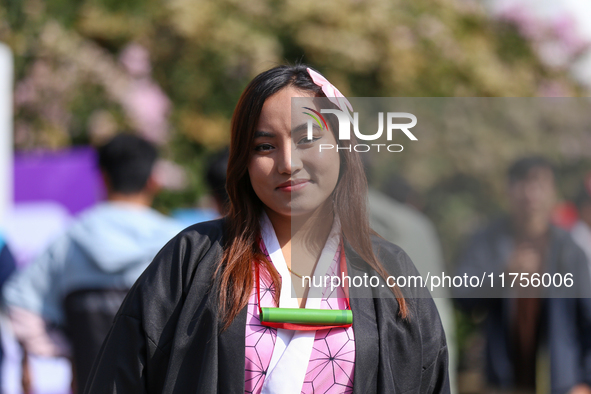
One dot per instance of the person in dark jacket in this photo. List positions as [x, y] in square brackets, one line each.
[193, 322]
[536, 339]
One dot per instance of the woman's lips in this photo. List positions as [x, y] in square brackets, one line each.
[292, 186]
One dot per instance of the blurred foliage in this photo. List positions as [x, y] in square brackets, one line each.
[203, 53]
[71, 86]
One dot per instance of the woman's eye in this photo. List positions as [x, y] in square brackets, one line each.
[263, 147]
[306, 140]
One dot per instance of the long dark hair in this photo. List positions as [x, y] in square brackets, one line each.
[241, 247]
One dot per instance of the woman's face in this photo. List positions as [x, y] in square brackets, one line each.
[288, 172]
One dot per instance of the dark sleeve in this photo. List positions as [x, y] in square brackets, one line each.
[134, 357]
[434, 360]
[120, 366]
[435, 374]
[434, 351]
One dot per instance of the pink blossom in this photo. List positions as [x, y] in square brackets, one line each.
[136, 60]
[148, 107]
[170, 175]
[565, 30]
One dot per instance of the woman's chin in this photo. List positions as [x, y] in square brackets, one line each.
[300, 209]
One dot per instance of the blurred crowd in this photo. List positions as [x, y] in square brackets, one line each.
[62, 302]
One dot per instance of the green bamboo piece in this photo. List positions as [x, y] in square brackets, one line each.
[319, 317]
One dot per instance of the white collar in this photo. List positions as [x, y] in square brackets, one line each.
[292, 350]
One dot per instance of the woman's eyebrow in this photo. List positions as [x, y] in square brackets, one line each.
[300, 127]
[258, 134]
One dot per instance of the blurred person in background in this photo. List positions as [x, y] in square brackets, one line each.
[530, 339]
[79, 282]
[216, 180]
[7, 267]
[215, 204]
[581, 231]
[397, 188]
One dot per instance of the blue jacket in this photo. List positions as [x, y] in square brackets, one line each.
[108, 246]
[7, 267]
[565, 322]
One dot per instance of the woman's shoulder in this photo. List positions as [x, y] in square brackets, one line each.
[423, 311]
[196, 239]
[403, 271]
[197, 247]
[397, 265]
[211, 230]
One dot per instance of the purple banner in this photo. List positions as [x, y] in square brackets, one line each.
[69, 177]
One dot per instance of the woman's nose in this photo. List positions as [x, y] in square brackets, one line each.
[289, 160]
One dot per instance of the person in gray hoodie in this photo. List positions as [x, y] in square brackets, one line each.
[78, 283]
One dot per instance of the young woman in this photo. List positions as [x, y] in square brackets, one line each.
[192, 323]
